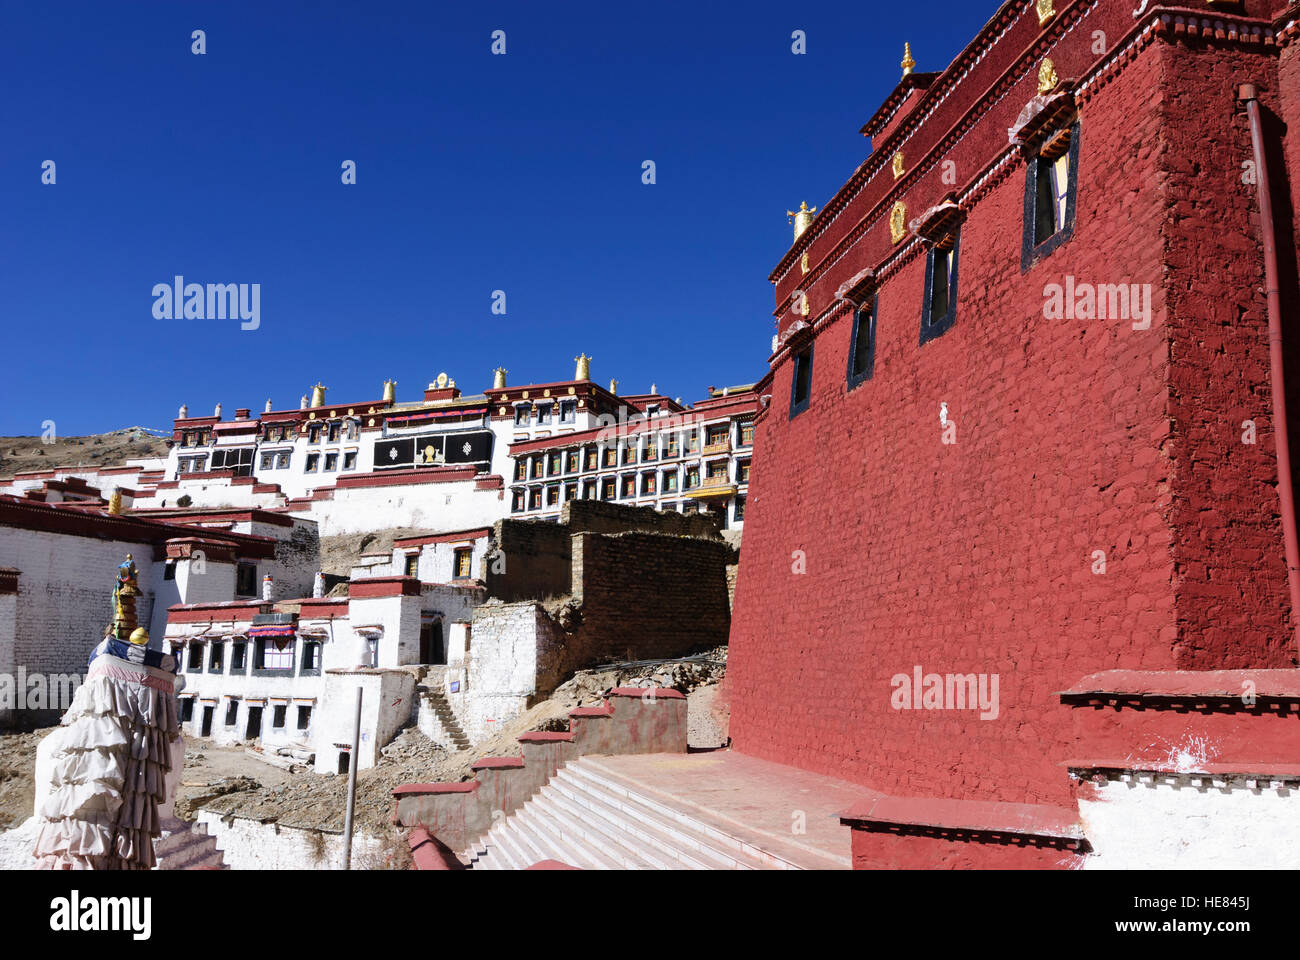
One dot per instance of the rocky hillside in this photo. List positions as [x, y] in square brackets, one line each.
[18, 454]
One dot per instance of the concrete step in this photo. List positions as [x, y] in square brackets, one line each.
[187, 846]
[587, 818]
[719, 840]
[678, 845]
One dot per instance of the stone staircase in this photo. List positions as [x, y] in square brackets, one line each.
[589, 818]
[187, 846]
[453, 734]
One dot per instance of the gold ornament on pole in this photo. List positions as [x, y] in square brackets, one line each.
[499, 378]
[801, 218]
[583, 369]
[908, 63]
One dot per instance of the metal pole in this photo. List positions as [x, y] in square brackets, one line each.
[352, 787]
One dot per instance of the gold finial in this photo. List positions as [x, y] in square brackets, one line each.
[140, 637]
[1047, 78]
[499, 378]
[115, 502]
[908, 63]
[318, 394]
[1046, 11]
[613, 387]
[899, 168]
[390, 391]
[583, 369]
[801, 218]
[898, 221]
[441, 381]
[125, 590]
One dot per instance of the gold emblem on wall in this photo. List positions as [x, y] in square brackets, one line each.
[1047, 78]
[1046, 11]
[898, 221]
[803, 262]
[899, 169]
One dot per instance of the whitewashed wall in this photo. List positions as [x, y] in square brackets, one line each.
[1171, 821]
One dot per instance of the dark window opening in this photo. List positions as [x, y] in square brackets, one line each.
[862, 345]
[254, 723]
[216, 661]
[205, 727]
[195, 662]
[187, 709]
[310, 657]
[277, 716]
[939, 309]
[304, 716]
[1051, 189]
[232, 712]
[246, 580]
[801, 382]
[238, 656]
[169, 570]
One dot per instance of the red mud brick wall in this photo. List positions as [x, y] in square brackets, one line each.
[978, 557]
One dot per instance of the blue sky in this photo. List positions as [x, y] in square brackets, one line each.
[475, 173]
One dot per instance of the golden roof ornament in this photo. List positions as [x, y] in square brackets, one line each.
[441, 381]
[318, 394]
[899, 169]
[801, 218]
[613, 387]
[1046, 11]
[583, 369]
[115, 503]
[499, 378]
[1047, 77]
[908, 63]
[390, 391]
[898, 221]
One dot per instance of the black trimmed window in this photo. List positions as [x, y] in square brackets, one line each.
[1051, 189]
[862, 343]
[311, 658]
[801, 381]
[939, 309]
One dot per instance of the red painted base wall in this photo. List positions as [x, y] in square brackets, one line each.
[1073, 436]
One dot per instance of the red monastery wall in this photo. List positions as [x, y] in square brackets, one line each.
[1072, 436]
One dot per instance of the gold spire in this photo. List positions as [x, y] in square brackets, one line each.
[318, 394]
[613, 387]
[499, 378]
[801, 218]
[583, 369]
[908, 63]
[390, 391]
[115, 502]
